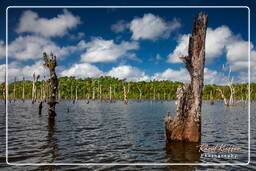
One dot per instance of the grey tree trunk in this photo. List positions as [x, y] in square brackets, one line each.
[125, 95]
[14, 89]
[187, 124]
[110, 94]
[23, 89]
[51, 63]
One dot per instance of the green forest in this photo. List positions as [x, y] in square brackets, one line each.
[89, 88]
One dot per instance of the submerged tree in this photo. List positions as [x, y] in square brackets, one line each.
[51, 63]
[187, 124]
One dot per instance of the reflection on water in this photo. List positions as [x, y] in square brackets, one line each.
[182, 152]
[106, 133]
[52, 140]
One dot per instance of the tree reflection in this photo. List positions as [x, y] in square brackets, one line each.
[182, 152]
[52, 140]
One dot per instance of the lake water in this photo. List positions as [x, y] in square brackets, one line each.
[118, 133]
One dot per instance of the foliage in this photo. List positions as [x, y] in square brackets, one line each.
[150, 90]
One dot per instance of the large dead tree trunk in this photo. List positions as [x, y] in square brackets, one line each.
[51, 63]
[187, 124]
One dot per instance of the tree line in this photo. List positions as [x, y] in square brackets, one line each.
[108, 87]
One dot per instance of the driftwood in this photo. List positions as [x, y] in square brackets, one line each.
[187, 124]
[51, 63]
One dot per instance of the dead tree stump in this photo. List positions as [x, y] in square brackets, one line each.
[51, 63]
[187, 124]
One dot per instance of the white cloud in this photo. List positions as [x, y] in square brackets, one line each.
[19, 71]
[100, 50]
[82, 70]
[57, 26]
[181, 48]
[152, 27]
[32, 47]
[172, 75]
[128, 72]
[216, 41]
[119, 26]
[237, 55]
[182, 75]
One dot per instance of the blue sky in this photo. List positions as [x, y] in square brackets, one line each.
[132, 43]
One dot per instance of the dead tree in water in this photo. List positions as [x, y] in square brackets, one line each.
[229, 102]
[14, 89]
[51, 63]
[34, 91]
[110, 94]
[76, 95]
[23, 89]
[140, 92]
[125, 95]
[187, 124]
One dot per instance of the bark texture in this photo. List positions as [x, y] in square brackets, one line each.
[187, 124]
[51, 63]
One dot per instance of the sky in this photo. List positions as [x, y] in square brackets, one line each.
[137, 44]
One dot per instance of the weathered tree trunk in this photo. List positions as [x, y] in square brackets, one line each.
[100, 93]
[4, 92]
[33, 88]
[51, 63]
[187, 124]
[76, 94]
[93, 93]
[14, 89]
[125, 95]
[110, 94]
[229, 102]
[154, 94]
[140, 92]
[211, 102]
[23, 89]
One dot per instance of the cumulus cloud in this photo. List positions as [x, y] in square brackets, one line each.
[100, 50]
[237, 55]
[172, 75]
[120, 26]
[128, 72]
[32, 47]
[19, 71]
[182, 75]
[216, 42]
[152, 27]
[57, 26]
[82, 70]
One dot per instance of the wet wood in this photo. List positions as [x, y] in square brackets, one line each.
[51, 63]
[187, 124]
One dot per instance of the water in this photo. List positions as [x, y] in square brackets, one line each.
[117, 133]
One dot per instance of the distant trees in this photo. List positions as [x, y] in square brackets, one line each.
[88, 87]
